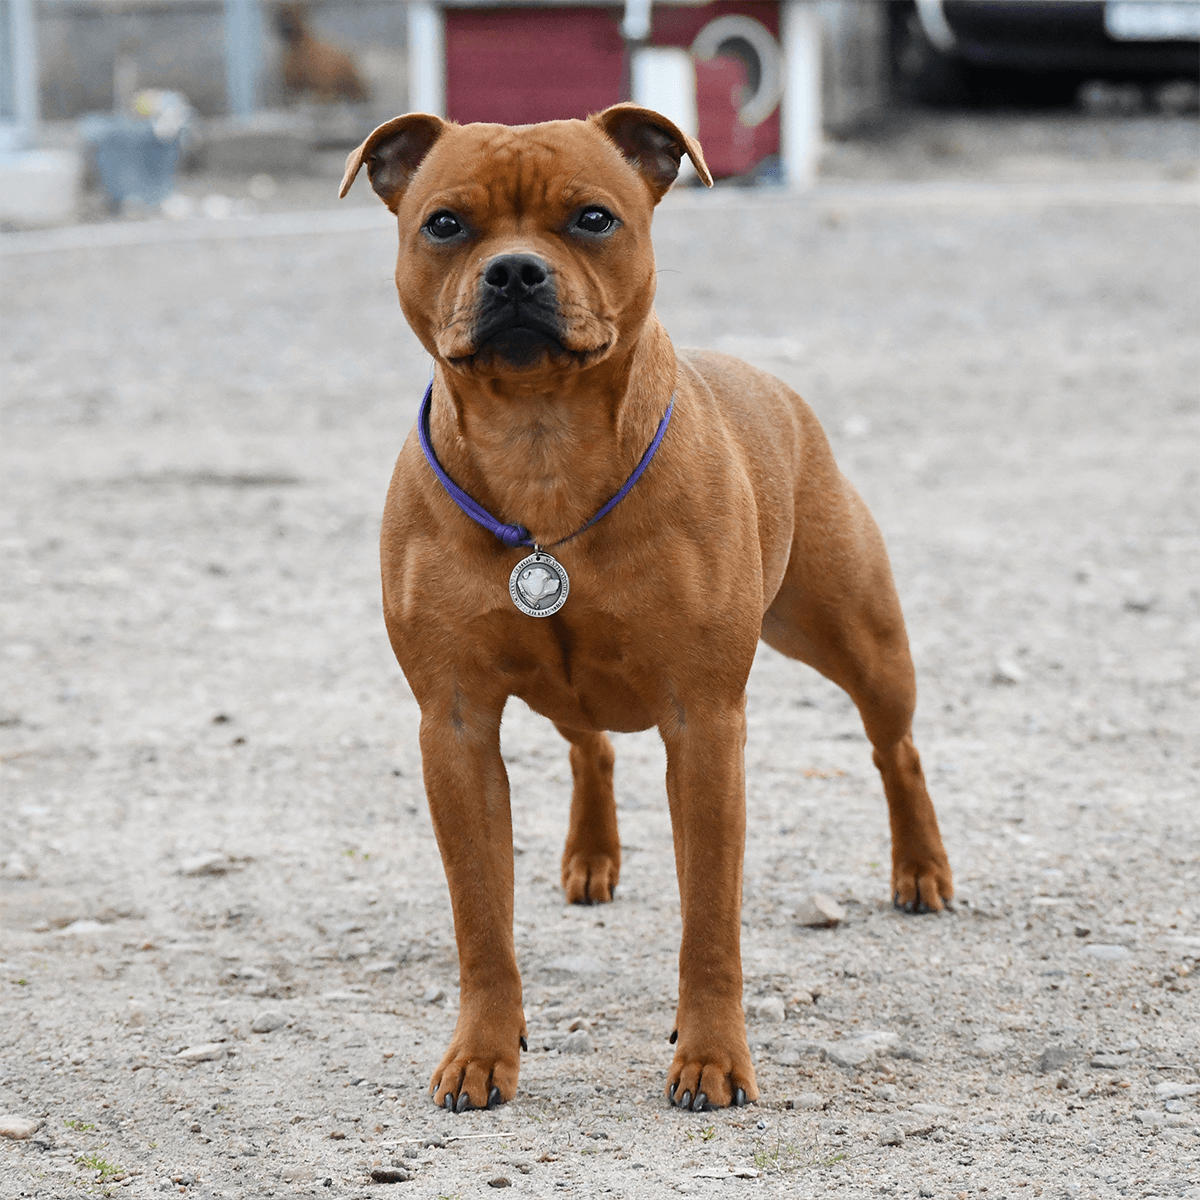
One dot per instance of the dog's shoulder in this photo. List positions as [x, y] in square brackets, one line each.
[741, 391]
[724, 374]
[767, 419]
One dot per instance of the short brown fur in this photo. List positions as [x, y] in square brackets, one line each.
[742, 527]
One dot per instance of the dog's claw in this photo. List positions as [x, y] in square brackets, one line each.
[685, 1101]
[493, 1097]
[671, 1094]
[739, 1099]
[674, 1036]
[524, 1043]
[700, 1103]
[464, 1102]
[448, 1103]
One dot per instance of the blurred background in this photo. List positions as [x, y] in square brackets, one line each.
[219, 108]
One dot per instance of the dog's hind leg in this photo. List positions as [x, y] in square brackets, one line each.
[591, 861]
[837, 610]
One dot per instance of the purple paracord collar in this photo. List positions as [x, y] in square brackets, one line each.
[518, 535]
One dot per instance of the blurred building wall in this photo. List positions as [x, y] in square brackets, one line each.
[180, 44]
[855, 79]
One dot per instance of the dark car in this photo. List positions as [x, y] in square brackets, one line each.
[954, 51]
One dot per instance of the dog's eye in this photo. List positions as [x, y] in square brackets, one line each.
[443, 226]
[595, 220]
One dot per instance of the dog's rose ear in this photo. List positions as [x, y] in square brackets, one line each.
[654, 145]
[392, 155]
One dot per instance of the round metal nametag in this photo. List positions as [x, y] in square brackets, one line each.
[539, 585]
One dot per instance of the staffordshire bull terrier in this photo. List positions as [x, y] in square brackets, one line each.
[604, 526]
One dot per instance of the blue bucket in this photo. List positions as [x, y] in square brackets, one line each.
[133, 163]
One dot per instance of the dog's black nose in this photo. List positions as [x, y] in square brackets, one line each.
[516, 276]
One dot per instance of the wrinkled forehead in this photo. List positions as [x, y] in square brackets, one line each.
[548, 169]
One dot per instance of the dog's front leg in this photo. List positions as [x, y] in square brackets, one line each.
[467, 787]
[707, 794]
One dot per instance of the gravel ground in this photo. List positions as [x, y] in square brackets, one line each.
[213, 836]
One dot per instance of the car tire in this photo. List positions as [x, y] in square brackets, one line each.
[920, 71]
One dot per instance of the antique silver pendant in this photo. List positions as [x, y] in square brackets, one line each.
[539, 584]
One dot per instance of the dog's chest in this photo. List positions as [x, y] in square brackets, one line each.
[583, 677]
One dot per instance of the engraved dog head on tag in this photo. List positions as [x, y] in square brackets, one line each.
[538, 585]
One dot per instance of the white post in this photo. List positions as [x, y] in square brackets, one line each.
[426, 58]
[17, 129]
[243, 55]
[635, 26]
[800, 115]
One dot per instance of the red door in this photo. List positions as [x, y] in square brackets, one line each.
[730, 148]
[517, 66]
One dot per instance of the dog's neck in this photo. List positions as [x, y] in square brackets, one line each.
[548, 453]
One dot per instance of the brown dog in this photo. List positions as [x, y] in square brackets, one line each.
[311, 65]
[526, 270]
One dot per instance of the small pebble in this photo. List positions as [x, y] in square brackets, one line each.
[579, 1042]
[209, 1052]
[212, 862]
[268, 1020]
[433, 994]
[390, 1175]
[500, 1181]
[819, 911]
[1107, 953]
[135, 1013]
[1055, 1058]
[809, 1102]
[1174, 1091]
[17, 1127]
[1007, 672]
[989, 1044]
[15, 867]
[925, 1190]
[770, 1009]
[891, 1135]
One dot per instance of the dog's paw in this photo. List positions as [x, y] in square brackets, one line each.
[589, 878]
[920, 886]
[720, 1078]
[475, 1073]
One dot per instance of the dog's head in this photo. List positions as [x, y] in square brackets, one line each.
[525, 250]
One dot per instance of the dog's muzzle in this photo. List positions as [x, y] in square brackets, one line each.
[517, 318]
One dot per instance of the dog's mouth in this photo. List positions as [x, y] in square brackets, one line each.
[521, 338]
[518, 336]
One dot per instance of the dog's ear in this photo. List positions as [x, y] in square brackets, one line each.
[654, 145]
[393, 153]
